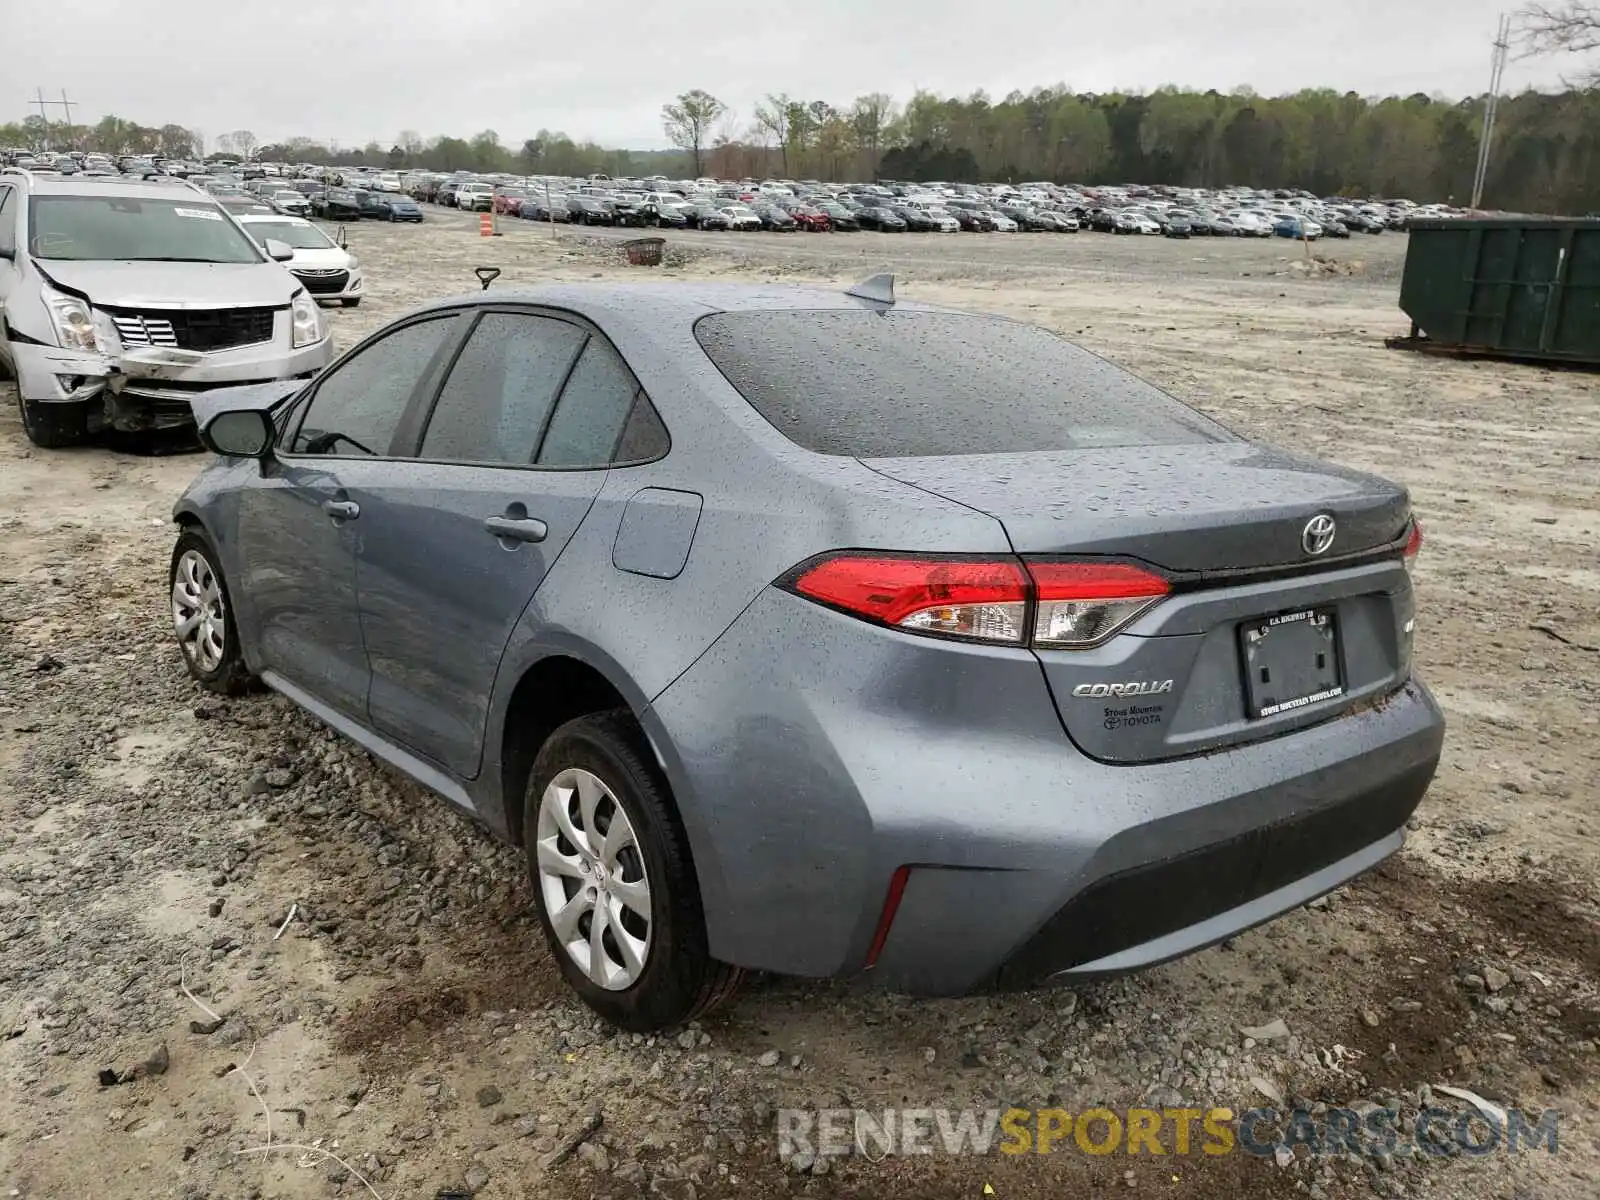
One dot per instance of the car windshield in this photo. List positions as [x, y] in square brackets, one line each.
[906, 384]
[301, 237]
[129, 229]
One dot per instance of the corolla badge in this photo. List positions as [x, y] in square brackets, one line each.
[1142, 687]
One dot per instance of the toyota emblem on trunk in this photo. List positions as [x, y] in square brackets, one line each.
[1317, 536]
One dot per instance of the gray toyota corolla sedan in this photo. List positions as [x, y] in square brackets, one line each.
[819, 633]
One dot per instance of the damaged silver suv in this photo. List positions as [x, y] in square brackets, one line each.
[121, 300]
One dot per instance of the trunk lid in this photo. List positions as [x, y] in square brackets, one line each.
[1205, 507]
[1259, 637]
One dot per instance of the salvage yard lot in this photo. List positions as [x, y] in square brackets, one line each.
[409, 1020]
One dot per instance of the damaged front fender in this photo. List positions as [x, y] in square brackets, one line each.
[54, 374]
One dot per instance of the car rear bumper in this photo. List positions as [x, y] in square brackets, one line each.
[806, 782]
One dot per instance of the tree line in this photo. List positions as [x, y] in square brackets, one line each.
[545, 153]
[1546, 155]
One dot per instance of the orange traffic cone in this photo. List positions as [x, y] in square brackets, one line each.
[485, 224]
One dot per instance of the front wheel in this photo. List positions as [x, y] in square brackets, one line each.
[54, 425]
[613, 881]
[202, 617]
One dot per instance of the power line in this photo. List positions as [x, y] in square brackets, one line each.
[1497, 70]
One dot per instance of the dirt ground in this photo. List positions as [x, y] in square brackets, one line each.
[383, 992]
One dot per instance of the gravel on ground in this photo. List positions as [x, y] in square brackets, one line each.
[238, 958]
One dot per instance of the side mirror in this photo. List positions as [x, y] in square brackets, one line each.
[343, 244]
[278, 251]
[240, 433]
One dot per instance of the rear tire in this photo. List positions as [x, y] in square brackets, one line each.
[674, 979]
[54, 425]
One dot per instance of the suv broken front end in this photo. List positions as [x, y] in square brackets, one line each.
[136, 363]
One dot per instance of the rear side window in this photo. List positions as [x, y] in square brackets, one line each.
[644, 437]
[905, 384]
[594, 411]
[500, 391]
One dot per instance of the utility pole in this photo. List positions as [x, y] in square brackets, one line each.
[43, 115]
[1497, 69]
[64, 104]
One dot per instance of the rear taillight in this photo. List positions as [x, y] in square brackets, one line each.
[1083, 603]
[1046, 603]
[983, 600]
[1413, 544]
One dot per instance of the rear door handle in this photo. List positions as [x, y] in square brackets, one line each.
[518, 529]
[341, 510]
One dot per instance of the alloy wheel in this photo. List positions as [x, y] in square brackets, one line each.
[199, 614]
[592, 879]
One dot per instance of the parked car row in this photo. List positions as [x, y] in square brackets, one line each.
[250, 189]
[349, 194]
[788, 206]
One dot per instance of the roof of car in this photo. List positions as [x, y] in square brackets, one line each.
[115, 185]
[685, 301]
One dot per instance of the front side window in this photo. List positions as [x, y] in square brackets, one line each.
[8, 218]
[134, 229]
[358, 405]
[496, 402]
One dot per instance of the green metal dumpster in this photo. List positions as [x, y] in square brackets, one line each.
[1519, 287]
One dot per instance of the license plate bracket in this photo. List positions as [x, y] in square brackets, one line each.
[1291, 661]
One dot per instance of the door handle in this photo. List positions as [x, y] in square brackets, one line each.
[341, 510]
[518, 529]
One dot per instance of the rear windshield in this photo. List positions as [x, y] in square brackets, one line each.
[907, 384]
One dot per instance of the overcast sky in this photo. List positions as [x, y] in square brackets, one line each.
[360, 70]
